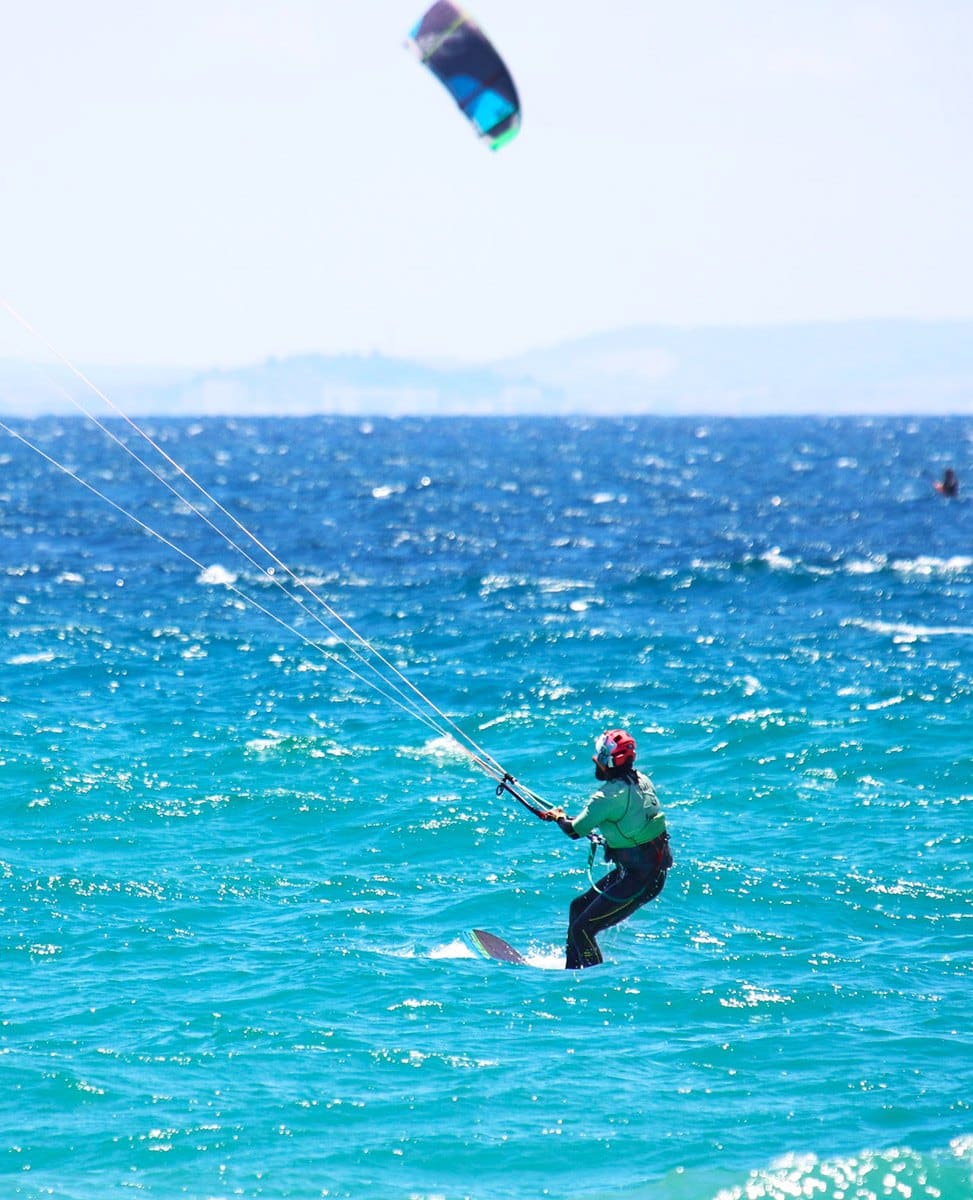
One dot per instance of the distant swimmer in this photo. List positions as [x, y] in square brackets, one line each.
[625, 810]
[949, 486]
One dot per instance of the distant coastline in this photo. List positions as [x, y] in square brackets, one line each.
[880, 367]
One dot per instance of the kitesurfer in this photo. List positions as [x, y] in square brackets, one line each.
[949, 485]
[625, 810]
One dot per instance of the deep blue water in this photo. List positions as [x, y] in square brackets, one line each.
[234, 877]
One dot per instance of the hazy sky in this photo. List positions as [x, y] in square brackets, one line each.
[206, 182]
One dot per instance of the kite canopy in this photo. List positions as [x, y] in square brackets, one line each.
[455, 49]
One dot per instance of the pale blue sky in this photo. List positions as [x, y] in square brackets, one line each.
[203, 182]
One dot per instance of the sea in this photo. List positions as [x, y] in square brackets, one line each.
[237, 873]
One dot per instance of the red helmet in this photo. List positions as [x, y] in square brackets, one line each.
[615, 748]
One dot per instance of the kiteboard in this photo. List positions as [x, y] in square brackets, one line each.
[488, 945]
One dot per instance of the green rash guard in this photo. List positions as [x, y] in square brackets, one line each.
[627, 814]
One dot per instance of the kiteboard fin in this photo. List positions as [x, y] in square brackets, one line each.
[488, 945]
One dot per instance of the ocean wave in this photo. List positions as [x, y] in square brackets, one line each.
[26, 660]
[442, 748]
[905, 631]
[926, 564]
[953, 567]
[217, 576]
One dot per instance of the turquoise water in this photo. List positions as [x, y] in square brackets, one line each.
[234, 878]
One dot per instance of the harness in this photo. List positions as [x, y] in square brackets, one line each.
[617, 854]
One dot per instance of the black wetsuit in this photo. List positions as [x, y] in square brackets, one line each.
[638, 876]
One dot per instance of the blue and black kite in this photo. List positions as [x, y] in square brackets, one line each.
[462, 58]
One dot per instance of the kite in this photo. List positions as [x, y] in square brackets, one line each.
[463, 59]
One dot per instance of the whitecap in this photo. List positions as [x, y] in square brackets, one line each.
[902, 631]
[519, 715]
[927, 565]
[867, 566]
[495, 583]
[757, 714]
[549, 587]
[264, 745]
[777, 561]
[217, 575]
[442, 747]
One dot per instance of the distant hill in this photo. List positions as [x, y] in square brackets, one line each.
[848, 367]
[893, 367]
